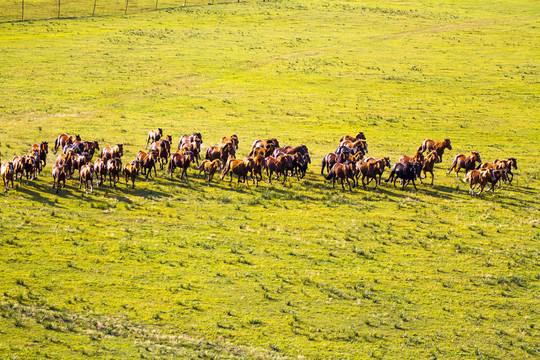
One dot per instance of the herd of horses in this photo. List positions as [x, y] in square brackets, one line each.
[348, 163]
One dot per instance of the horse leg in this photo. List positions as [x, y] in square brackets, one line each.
[432, 177]
[414, 185]
[457, 171]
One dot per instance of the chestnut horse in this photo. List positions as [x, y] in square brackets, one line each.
[42, 150]
[509, 164]
[86, 176]
[153, 135]
[181, 161]
[277, 166]
[428, 164]
[371, 168]
[114, 167]
[344, 172]
[331, 159]
[100, 169]
[268, 145]
[241, 168]
[59, 173]
[63, 140]
[465, 162]
[209, 168]
[481, 178]
[110, 152]
[233, 138]
[147, 161]
[130, 172]
[360, 136]
[438, 146]
[222, 152]
[7, 172]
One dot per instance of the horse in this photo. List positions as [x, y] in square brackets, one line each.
[147, 161]
[100, 169]
[509, 164]
[239, 168]
[438, 146]
[428, 164]
[59, 174]
[130, 172]
[42, 151]
[66, 159]
[18, 168]
[90, 147]
[114, 167]
[405, 172]
[153, 135]
[7, 173]
[344, 172]
[222, 152]
[78, 161]
[372, 168]
[163, 149]
[181, 161]
[109, 152]
[359, 136]
[233, 138]
[481, 178]
[209, 168]
[269, 145]
[257, 166]
[277, 166]
[63, 140]
[466, 162]
[196, 138]
[355, 146]
[330, 159]
[86, 176]
[417, 158]
[193, 147]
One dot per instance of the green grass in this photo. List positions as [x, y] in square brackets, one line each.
[176, 270]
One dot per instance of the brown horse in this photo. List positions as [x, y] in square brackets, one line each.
[371, 169]
[438, 146]
[86, 177]
[7, 172]
[509, 164]
[358, 145]
[153, 135]
[464, 162]
[66, 159]
[222, 152]
[193, 147]
[100, 169]
[481, 178]
[109, 152]
[78, 161]
[59, 174]
[130, 172]
[268, 145]
[147, 162]
[63, 140]
[209, 168]
[181, 161]
[257, 167]
[331, 159]
[277, 166]
[359, 136]
[241, 168]
[233, 138]
[163, 149]
[42, 150]
[428, 164]
[417, 158]
[90, 147]
[196, 138]
[114, 167]
[344, 172]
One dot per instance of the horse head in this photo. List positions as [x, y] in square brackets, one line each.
[476, 156]
[447, 144]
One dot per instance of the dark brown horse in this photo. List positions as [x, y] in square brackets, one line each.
[331, 159]
[153, 135]
[193, 147]
[181, 161]
[63, 140]
[277, 166]
[438, 146]
[222, 152]
[465, 162]
[66, 159]
[78, 161]
[508, 164]
[114, 167]
[110, 152]
[344, 172]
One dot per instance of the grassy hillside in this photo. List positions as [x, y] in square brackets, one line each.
[301, 270]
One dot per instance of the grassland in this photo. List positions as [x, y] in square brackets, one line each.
[176, 270]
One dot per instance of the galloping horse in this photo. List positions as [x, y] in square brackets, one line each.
[181, 161]
[233, 138]
[63, 140]
[66, 159]
[355, 146]
[417, 158]
[428, 164]
[209, 168]
[277, 166]
[100, 169]
[466, 162]
[222, 152]
[130, 171]
[406, 172]
[239, 168]
[59, 173]
[86, 175]
[438, 146]
[509, 164]
[268, 145]
[193, 147]
[7, 173]
[153, 135]
[331, 159]
[196, 138]
[42, 150]
[372, 168]
[147, 161]
[481, 178]
[114, 166]
[344, 172]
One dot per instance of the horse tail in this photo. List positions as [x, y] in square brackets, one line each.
[422, 148]
[323, 165]
[330, 175]
[55, 146]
